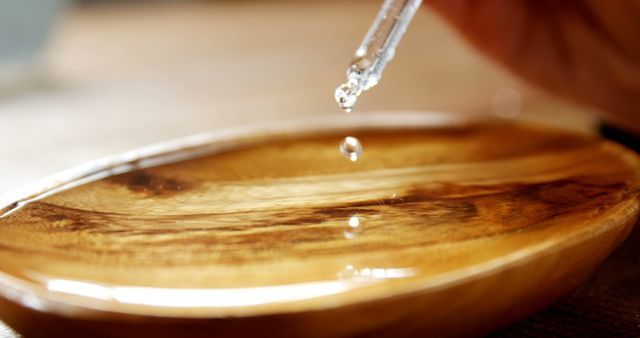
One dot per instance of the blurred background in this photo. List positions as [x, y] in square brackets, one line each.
[86, 79]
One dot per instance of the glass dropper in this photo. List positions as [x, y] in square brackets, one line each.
[377, 48]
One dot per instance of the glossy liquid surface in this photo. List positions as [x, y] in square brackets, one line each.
[292, 222]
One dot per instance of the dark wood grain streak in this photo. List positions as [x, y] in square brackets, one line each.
[149, 185]
[442, 206]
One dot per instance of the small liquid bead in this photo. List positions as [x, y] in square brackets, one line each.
[351, 148]
[348, 272]
[353, 228]
[346, 96]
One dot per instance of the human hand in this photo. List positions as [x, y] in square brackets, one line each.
[584, 50]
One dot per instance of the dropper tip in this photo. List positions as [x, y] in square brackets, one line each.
[346, 96]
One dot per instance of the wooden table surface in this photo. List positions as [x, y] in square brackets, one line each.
[122, 76]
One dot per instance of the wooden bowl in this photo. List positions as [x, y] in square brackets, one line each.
[444, 227]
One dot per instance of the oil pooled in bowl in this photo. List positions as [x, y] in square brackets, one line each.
[289, 220]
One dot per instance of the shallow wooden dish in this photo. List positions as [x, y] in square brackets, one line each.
[443, 226]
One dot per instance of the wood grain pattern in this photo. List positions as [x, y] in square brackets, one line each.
[485, 222]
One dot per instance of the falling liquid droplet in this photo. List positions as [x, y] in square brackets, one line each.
[351, 148]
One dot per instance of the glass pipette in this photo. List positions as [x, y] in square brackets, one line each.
[377, 48]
